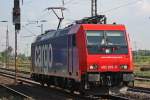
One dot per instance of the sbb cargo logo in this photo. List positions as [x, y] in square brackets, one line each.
[44, 56]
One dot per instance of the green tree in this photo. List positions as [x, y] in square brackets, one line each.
[7, 52]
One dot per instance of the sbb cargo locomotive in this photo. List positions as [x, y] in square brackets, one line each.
[84, 57]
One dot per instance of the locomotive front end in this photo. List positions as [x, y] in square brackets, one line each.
[109, 57]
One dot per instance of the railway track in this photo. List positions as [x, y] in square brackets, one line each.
[106, 97]
[140, 89]
[142, 79]
[117, 97]
[24, 72]
[21, 77]
[24, 77]
[14, 94]
[29, 81]
[21, 74]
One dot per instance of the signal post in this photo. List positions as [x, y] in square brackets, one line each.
[17, 24]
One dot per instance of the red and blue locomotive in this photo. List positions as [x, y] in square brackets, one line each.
[84, 57]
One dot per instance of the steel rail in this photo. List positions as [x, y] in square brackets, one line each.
[12, 72]
[16, 92]
[19, 78]
[139, 89]
[142, 79]
[108, 97]
[117, 97]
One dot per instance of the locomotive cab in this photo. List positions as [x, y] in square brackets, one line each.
[106, 60]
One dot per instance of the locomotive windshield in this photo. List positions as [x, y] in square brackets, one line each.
[106, 42]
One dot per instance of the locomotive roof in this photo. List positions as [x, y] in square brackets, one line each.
[52, 33]
[74, 28]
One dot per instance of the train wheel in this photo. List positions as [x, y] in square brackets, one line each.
[82, 92]
[72, 88]
[48, 84]
[62, 82]
[65, 86]
[42, 84]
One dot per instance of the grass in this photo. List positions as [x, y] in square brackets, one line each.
[142, 60]
[21, 67]
[139, 62]
[140, 73]
[142, 84]
[143, 74]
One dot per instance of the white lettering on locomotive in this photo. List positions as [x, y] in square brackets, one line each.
[43, 56]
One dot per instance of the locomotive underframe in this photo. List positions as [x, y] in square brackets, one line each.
[107, 82]
[91, 83]
[109, 79]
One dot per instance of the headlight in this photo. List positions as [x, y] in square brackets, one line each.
[124, 67]
[93, 67]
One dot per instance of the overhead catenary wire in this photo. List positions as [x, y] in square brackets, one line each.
[67, 2]
[33, 34]
[122, 6]
[28, 30]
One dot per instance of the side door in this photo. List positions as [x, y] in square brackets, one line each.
[70, 54]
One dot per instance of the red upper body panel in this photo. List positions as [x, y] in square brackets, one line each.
[105, 62]
[103, 27]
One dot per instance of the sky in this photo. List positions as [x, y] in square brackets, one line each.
[134, 14]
